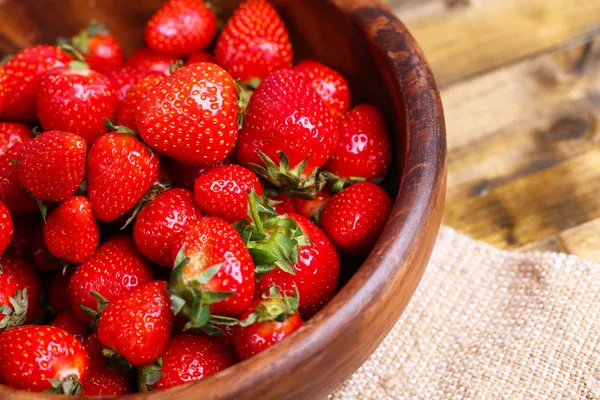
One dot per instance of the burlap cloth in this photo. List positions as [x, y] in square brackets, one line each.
[490, 324]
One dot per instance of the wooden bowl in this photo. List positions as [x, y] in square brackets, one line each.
[364, 40]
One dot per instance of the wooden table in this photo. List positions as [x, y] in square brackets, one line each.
[520, 84]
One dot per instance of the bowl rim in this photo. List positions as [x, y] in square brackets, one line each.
[415, 218]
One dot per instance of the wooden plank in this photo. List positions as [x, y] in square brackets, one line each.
[534, 206]
[462, 38]
[551, 244]
[583, 240]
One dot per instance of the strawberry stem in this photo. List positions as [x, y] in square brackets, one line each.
[254, 212]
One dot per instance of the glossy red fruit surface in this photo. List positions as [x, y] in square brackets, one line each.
[254, 42]
[184, 176]
[7, 228]
[199, 57]
[137, 326]
[329, 84]
[52, 166]
[355, 217]
[190, 358]
[32, 355]
[114, 269]
[144, 58]
[69, 322]
[23, 73]
[77, 100]
[102, 381]
[312, 208]
[160, 224]
[223, 192]
[22, 275]
[181, 27]
[11, 193]
[127, 112]
[285, 204]
[11, 134]
[192, 115]
[365, 148]
[125, 78]
[316, 273]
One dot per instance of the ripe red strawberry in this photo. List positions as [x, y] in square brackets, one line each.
[52, 166]
[181, 27]
[23, 73]
[266, 322]
[285, 116]
[225, 336]
[12, 134]
[315, 274]
[254, 42]
[3, 89]
[144, 58]
[161, 223]
[76, 99]
[212, 262]
[125, 78]
[42, 258]
[312, 208]
[355, 217]
[71, 232]
[137, 326]
[329, 84]
[102, 51]
[69, 322]
[128, 109]
[192, 116]
[11, 192]
[58, 290]
[7, 229]
[53, 359]
[188, 358]
[223, 192]
[201, 56]
[113, 270]
[184, 176]
[121, 169]
[23, 277]
[102, 381]
[281, 203]
[365, 148]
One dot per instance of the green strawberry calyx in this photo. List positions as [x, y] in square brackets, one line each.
[82, 40]
[291, 181]
[150, 374]
[273, 240]
[70, 386]
[17, 314]
[190, 297]
[275, 306]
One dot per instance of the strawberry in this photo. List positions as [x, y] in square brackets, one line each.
[102, 51]
[69, 322]
[329, 84]
[52, 166]
[266, 322]
[76, 99]
[113, 270]
[137, 326]
[58, 290]
[364, 149]
[125, 78]
[214, 265]
[225, 336]
[312, 208]
[315, 274]
[25, 304]
[52, 358]
[355, 217]
[12, 134]
[71, 232]
[144, 58]
[192, 115]
[287, 121]
[10, 189]
[23, 73]
[161, 222]
[281, 202]
[223, 192]
[3, 89]
[7, 229]
[181, 27]
[254, 42]
[102, 381]
[188, 358]
[121, 169]
[127, 112]
[42, 258]
[25, 229]
[199, 57]
[184, 176]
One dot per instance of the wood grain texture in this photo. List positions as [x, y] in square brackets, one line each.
[364, 40]
[463, 38]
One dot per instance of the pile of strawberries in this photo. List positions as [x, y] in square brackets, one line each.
[163, 221]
